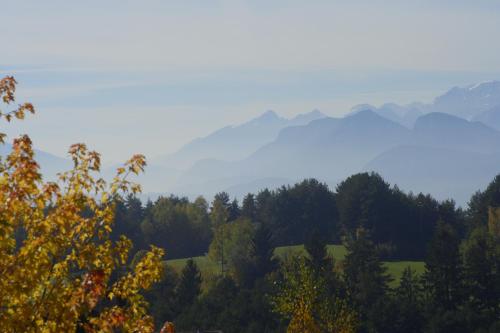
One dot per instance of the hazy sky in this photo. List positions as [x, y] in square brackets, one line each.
[148, 76]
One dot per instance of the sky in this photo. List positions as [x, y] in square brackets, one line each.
[148, 76]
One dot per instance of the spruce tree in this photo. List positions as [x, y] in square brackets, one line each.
[263, 251]
[482, 264]
[189, 287]
[234, 210]
[317, 252]
[409, 302]
[365, 276]
[443, 268]
[248, 208]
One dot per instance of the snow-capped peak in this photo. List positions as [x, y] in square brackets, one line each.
[477, 85]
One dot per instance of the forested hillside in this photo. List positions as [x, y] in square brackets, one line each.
[404, 262]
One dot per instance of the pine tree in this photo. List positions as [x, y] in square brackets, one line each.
[318, 258]
[409, 302]
[263, 251]
[409, 290]
[248, 208]
[482, 264]
[189, 287]
[234, 210]
[365, 276]
[223, 199]
[219, 217]
[443, 268]
[163, 297]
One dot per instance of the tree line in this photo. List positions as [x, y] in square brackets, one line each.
[255, 292]
[459, 291]
[401, 224]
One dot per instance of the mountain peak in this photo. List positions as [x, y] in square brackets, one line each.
[361, 114]
[368, 120]
[315, 113]
[307, 117]
[361, 107]
[269, 114]
[469, 101]
[268, 117]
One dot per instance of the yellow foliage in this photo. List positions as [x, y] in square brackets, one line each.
[168, 327]
[56, 257]
[494, 221]
[301, 298]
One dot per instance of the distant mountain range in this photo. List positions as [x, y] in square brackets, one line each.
[450, 148]
[448, 152]
[479, 102]
[232, 143]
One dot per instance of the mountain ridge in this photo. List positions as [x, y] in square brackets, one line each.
[234, 142]
[331, 149]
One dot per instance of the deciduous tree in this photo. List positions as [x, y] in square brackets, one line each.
[302, 300]
[56, 256]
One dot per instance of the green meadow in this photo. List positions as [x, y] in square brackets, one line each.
[209, 268]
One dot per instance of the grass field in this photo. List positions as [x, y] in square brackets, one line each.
[209, 268]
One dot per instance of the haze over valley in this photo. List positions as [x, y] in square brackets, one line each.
[450, 148]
